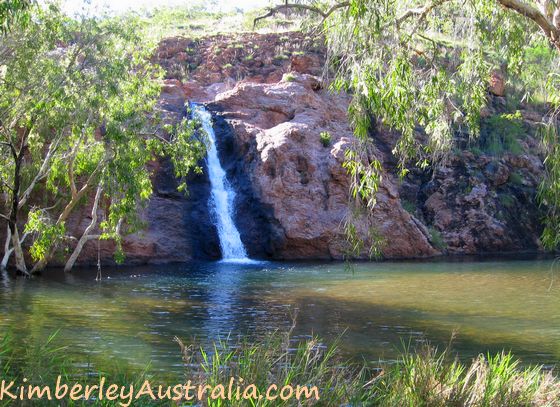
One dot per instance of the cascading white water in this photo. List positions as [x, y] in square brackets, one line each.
[222, 195]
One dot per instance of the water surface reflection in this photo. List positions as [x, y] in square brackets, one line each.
[134, 313]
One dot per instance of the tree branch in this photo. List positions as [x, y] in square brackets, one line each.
[86, 235]
[297, 6]
[550, 30]
[421, 12]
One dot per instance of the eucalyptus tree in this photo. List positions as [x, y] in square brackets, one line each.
[427, 63]
[76, 100]
[13, 12]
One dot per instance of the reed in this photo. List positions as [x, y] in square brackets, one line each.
[421, 376]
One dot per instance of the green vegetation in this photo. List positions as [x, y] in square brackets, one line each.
[326, 138]
[408, 206]
[507, 200]
[419, 377]
[427, 64]
[427, 377]
[500, 134]
[436, 239]
[515, 178]
[13, 12]
[289, 77]
[195, 19]
[78, 121]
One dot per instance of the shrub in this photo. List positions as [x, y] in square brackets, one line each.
[436, 239]
[501, 134]
[289, 77]
[476, 151]
[507, 200]
[326, 138]
[408, 206]
[515, 178]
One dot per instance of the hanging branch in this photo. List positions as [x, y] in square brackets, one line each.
[313, 9]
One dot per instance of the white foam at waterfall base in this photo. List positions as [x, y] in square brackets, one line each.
[222, 195]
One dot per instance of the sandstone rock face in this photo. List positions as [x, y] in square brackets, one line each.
[479, 204]
[293, 200]
[276, 130]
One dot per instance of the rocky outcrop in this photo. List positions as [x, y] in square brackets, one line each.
[270, 108]
[276, 130]
[480, 204]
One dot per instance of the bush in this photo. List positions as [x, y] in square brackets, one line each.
[507, 200]
[289, 77]
[408, 206]
[325, 138]
[500, 134]
[515, 178]
[437, 239]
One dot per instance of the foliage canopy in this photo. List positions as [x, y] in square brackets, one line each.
[78, 114]
[422, 68]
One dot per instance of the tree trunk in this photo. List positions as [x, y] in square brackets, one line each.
[12, 222]
[7, 250]
[86, 235]
[18, 252]
[76, 197]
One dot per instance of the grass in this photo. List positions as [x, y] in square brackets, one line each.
[501, 134]
[326, 138]
[426, 377]
[515, 178]
[421, 376]
[437, 239]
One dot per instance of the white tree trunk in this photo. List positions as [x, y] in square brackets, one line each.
[86, 235]
[18, 253]
[7, 250]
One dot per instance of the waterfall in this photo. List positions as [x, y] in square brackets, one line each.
[222, 195]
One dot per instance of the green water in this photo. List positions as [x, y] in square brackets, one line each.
[131, 317]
